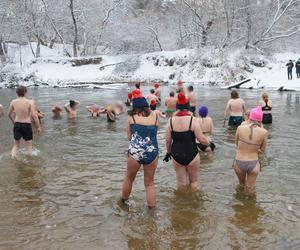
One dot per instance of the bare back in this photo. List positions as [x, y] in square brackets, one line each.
[22, 108]
[247, 148]
[171, 103]
[206, 125]
[235, 107]
[192, 99]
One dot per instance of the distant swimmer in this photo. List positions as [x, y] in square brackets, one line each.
[236, 109]
[158, 112]
[129, 100]
[171, 104]
[251, 141]
[206, 124]
[192, 99]
[57, 112]
[290, 66]
[152, 96]
[266, 105]
[158, 91]
[23, 110]
[95, 110]
[181, 134]
[71, 108]
[142, 126]
[118, 107]
[1, 110]
[110, 113]
[40, 114]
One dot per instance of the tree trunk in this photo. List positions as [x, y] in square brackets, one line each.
[205, 33]
[75, 41]
[2, 53]
[38, 48]
[52, 42]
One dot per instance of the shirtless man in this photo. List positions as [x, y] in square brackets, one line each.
[71, 109]
[236, 109]
[158, 91]
[23, 109]
[156, 111]
[95, 110]
[192, 99]
[251, 141]
[171, 104]
[152, 96]
[57, 112]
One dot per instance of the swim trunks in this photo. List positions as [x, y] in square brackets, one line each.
[235, 120]
[23, 130]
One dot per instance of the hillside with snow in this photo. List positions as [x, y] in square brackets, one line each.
[207, 67]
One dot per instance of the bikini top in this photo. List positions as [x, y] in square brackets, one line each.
[184, 136]
[266, 107]
[250, 136]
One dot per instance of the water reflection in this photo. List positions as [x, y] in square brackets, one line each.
[247, 213]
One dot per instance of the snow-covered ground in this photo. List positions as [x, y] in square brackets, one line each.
[193, 66]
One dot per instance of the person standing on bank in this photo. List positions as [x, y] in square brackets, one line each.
[23, 109]
[298, 68]
[290, 66]
[236, 109]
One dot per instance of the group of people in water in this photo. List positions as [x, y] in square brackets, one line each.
[187, 133]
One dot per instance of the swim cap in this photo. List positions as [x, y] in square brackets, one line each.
[140, 102]
[256, 114]
[182, 102]
[156, 85]
[136, 93]
[153, 105]
[203, 111]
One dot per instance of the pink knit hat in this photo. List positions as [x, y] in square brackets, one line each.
[256, 114]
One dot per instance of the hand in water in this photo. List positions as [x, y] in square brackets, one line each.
[39, 130]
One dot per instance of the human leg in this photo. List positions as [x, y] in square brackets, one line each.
[149, 171]
[29, 147]
[251, 179]
[193, 172]
[132, 168]
[15, 148]
[240, 174]
[181, 175]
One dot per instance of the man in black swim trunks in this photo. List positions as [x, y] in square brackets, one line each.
[20, 112]
[192, 99]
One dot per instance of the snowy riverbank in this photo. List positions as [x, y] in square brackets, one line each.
[194, 66]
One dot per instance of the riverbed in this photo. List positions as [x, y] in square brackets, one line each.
[66, 195]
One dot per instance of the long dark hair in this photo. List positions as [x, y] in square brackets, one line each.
[145, 112]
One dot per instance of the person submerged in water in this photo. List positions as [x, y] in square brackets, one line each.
[57, 112]
[40, 114]
[23, 110]
[206, 124]
[236, 109]
[142, 126]
[129, 100]
[251, 141]
[71, 108]
[158, 112]
[266, 105]
[110, 113]
[181, 134]
[170, 103]
[152, 96]
[95, 110]
[192, 99]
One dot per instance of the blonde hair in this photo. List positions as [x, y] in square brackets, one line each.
[265, 95]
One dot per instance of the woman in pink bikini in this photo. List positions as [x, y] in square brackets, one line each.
[251, 141]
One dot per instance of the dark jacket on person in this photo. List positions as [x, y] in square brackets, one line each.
[290, 66]
[298, 66]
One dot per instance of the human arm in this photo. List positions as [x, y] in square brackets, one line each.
[237, 136]
[10, 112]
[77, 103]
[35, 117]
[198, 133]
[128, 129]
[227, 109]
[66, 106]
[264, 143]
[168, 138]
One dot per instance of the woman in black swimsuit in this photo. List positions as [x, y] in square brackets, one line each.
[182, 130]
[266, 105]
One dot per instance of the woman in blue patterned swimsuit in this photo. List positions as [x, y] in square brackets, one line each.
[142, 127]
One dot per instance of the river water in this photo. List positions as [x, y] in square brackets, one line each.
[66, 195]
